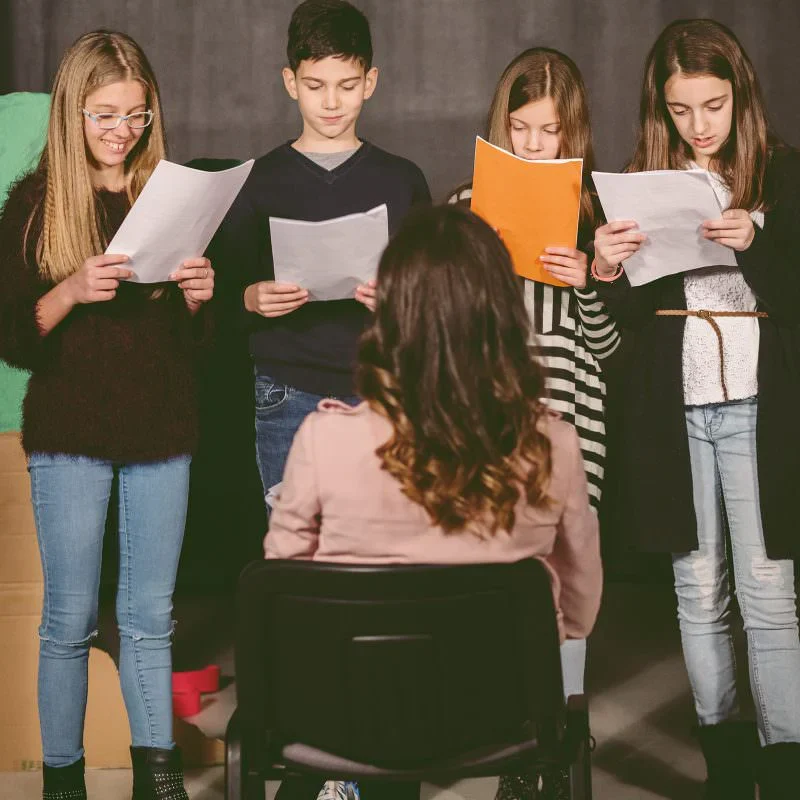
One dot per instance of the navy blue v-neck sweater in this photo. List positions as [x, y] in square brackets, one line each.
[313, 348]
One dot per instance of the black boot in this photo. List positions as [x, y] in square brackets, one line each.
[157, 774]
[730, 750]
[64, 783]
[779, 771]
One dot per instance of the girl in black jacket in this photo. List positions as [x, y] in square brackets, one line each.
[710, 432]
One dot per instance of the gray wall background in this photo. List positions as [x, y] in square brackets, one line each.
[219, 64]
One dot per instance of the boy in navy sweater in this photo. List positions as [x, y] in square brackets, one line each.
[305, 351]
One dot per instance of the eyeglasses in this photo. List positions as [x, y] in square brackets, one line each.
[139, 119]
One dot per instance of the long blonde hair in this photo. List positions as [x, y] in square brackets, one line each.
[534, 75]
[706, 47]
[71, 229]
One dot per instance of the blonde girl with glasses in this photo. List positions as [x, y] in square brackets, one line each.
[110, 406]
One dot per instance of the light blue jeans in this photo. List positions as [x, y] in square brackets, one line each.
[722, 449]
[70, 499]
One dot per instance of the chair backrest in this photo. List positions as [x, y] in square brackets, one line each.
[398, 666]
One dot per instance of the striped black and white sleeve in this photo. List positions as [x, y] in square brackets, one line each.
[599, 328]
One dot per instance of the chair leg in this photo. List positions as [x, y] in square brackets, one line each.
[255, 787]
[580, 771]
[296, 786]
[234, 765]
[389, 790]
[580, 774]
[240, 782]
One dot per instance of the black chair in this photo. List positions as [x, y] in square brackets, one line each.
[399, 673]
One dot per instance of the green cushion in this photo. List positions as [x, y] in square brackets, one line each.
[23, 126]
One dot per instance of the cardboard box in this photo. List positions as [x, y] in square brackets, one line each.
[106, 734]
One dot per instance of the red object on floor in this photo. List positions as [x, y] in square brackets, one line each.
[188, 686]
[186, 704]
[201, 680]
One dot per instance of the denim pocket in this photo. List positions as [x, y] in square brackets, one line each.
[269, 394]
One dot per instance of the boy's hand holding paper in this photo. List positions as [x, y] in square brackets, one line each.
[273, 299]
[533, 205]
[367, 293]
[333, 258]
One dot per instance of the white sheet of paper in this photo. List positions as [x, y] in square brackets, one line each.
[174, 218]
[330, 258]
[669, 206]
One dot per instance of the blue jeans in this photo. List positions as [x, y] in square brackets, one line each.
[70, 499]
[722, 449]
[280, 410]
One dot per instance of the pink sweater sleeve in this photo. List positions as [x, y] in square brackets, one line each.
[576, 551]
[295, 518]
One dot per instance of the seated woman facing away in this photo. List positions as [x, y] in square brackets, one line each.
[451, 458]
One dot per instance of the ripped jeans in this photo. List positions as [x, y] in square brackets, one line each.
[70, 499]
[722, 449]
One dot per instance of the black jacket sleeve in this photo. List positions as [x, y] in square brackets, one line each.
[630, 306]
[237, 252]
[771, 265]
[421, 193]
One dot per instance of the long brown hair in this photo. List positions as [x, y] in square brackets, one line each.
[71, 230]
[446, 359]
[534, 75]
[706, 47]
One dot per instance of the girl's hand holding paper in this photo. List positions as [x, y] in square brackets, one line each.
[566, 264]
[614, 242]
[533, 205]
[96, 280]
[196, 278]
[735, 229]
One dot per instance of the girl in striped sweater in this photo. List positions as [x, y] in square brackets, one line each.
[539, 111]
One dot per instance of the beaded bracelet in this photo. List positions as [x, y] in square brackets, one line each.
[598, 277]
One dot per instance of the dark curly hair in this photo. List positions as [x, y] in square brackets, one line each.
[446, 359]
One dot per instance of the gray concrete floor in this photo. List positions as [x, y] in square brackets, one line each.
[641, 716]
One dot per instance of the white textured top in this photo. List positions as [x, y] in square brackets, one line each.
[720, 289]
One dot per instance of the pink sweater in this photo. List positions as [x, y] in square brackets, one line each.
[337, 504]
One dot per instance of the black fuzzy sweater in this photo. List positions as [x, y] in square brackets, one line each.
[114, 380]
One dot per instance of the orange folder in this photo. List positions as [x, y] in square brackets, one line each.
[531, 204]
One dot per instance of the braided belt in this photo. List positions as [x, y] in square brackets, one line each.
[708, 316]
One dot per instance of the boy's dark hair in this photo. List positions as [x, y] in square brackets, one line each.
[322, 28]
